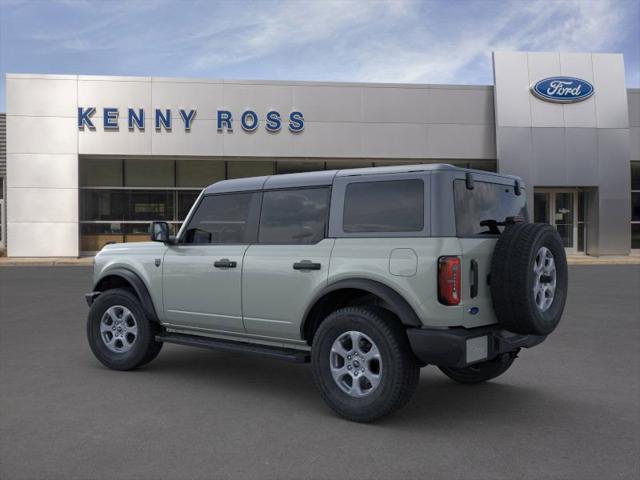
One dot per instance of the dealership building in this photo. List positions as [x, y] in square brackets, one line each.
[93, 159]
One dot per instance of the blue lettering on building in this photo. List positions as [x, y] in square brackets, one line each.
[163, 119]
[249, 119]
[110, 118]
[274, 123]
[187, 118]
[84, 117]
[225, 120]
[296, 122]
[136, 119]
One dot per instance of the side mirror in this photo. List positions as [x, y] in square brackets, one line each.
[159, 232]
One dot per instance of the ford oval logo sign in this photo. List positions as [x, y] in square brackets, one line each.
[562, 89]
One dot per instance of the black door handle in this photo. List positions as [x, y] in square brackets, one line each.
[306, 265]
[224, 263]
[474, 279]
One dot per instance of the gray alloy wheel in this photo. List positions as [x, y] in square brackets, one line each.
[120, 333]
[544, 284]
[362, 362]
[356, 364]
[118, 329]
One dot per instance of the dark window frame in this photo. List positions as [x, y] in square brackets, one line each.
[325, 232]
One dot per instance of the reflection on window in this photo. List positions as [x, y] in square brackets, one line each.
[384, 206]
[296, 216]
[487, 201]
[222, 219]
[144, 205]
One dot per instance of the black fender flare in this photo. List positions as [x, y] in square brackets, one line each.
[396, 302]
[139, 287]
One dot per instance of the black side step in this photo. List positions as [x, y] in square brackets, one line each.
[278, 353]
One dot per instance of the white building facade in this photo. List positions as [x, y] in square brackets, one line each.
[92, 160]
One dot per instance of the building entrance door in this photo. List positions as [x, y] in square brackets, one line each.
[559, 207]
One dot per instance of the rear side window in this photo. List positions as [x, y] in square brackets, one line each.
[487, 201]
[384, 206]
[295, 216]
[224, 219]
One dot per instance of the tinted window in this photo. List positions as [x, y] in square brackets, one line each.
[487, 201]
[223, 219]
[635, 175]
[384, 206]
[296, 216]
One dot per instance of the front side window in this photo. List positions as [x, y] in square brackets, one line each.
[384, 206]
[223, 219]
[486, 202]
[295, 216]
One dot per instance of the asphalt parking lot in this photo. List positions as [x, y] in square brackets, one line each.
[568, 409]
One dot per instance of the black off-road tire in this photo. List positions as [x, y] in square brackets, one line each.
[480, 372]
[513, 278]
[143, 349]
[399, 373]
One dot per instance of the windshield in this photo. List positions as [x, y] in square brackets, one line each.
[477, 210]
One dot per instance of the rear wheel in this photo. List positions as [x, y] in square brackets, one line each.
[480, 372]
[362, 363]
[120, 334]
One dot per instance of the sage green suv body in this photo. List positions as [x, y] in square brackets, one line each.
[260, 263]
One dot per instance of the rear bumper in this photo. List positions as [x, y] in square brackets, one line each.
[459, 347]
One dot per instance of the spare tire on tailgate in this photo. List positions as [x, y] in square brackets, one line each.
[529, 278]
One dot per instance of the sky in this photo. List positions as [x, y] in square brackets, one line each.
[403, 41]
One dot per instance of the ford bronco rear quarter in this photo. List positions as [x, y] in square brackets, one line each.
[369, 274]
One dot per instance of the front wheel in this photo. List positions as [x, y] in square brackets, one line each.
[362, 363]
[120, 334]
[480, 372]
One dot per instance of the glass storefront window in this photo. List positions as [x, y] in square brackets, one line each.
[635, 175]
[150, 205]
[103, 172]
[149, 173]
[100, 205]
[635, 235]
[635, 206]
[346, 164]
[297, 166]
[541, 207]
[185, 202]
[240, 169]
[198, 173]
[94, 236]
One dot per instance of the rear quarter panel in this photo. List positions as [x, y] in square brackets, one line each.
[370, 258]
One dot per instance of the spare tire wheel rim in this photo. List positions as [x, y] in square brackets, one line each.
[544, 282]
[355, 363]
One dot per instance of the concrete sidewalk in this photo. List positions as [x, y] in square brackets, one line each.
[45, 261]
[88, 261]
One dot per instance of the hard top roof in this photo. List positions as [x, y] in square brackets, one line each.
[324, 177]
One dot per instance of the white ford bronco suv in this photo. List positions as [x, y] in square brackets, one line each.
[369, 274]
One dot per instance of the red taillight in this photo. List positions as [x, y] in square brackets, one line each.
[449, 280]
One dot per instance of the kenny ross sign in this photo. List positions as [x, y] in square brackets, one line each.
[562, 89]
[162, 119]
